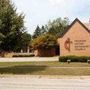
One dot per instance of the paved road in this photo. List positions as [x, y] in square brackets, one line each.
[28, 83]
[29, 59]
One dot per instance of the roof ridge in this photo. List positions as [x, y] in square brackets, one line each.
[76, 20]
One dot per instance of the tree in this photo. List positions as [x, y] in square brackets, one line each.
[48, 34]
[11, 27]
[37, 32]
[44, 41]
[26, 40]
[43, 30]
[57, 27]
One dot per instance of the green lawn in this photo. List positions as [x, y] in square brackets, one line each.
[44, 68]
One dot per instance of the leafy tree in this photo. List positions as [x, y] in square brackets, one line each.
[47, 35]
[57, 27]
[11, 27]
[44, 41]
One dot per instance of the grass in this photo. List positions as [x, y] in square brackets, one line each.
[44, 68]
[48, 64]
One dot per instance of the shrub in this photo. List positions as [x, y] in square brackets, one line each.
[74, 58]
[23, 55]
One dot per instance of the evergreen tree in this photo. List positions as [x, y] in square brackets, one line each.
[43, 30]
[11, 27]
[26, 39]
[47, 36]
[37, 32]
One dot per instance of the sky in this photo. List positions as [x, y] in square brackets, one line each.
[39, 12]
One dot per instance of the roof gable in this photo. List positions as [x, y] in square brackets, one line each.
[76, 20]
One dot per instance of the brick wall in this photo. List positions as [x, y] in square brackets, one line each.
[45, 52]
[80, 41]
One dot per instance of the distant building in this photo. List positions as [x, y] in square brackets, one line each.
[76, 40]
[45, 52]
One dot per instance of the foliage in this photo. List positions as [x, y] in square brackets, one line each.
[39, 31]
[47, 35]
[44, 41]
[74, 58]
[43, 30]
[11, 27]
[57, 27]
[23, 55]
[26, 39]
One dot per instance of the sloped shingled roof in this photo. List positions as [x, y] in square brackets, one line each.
[87, 25]
[76, 20]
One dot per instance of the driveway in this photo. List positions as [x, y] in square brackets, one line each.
[29, 59]
[37, 83]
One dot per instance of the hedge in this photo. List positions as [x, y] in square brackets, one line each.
[74, 58]
[23, 55]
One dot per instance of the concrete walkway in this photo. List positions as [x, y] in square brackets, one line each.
[29, 59]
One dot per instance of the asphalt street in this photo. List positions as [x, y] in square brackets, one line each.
[37, 83]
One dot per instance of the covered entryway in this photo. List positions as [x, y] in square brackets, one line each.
[57, 50]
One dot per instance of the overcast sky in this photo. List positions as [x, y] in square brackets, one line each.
[39, 12]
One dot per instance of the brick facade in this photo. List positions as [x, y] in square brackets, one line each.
[76, 41]
[45, 52]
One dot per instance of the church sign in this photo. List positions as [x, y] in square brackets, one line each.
[81, 45]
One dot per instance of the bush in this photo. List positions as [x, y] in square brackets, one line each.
[74, 58]
[23, 55]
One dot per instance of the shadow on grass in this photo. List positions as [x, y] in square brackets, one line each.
[22, 69]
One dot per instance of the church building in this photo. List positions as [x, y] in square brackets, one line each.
[76, 39]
